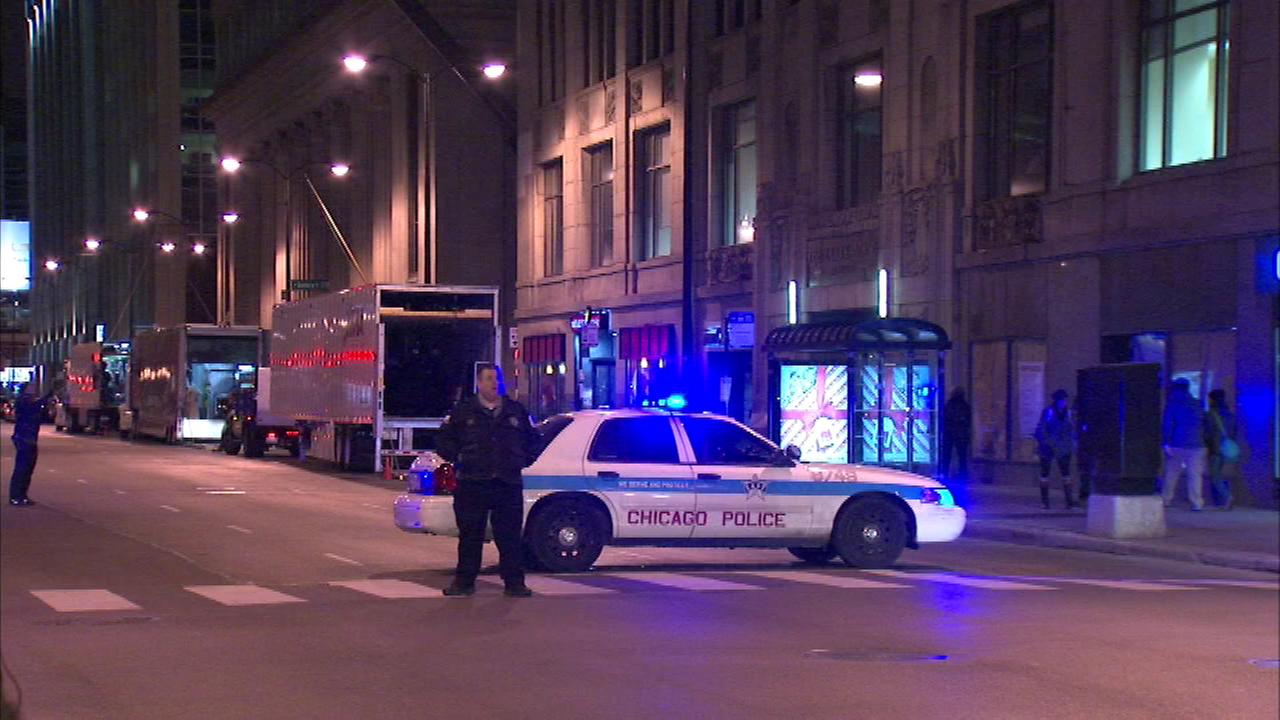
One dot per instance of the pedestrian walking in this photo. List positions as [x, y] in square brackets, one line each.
[28, 413]
[957, 423]
[1184, 448]
[1055, 441]
[489, 439]
[1223, 447]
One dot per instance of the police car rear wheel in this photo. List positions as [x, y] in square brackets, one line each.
[814, 556]
[567, 536]
[870, 533]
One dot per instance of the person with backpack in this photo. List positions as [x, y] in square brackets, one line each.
[1056, 440]
[1224, 449]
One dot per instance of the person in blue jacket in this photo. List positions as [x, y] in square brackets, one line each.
[28, 412]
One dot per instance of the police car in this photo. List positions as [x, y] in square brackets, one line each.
[637, 477]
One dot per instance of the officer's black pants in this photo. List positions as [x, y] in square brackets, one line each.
[501, 504]
[24, 464]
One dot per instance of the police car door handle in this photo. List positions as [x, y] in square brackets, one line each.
[607, 474]
[708, 476]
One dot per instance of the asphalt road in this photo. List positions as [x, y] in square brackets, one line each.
[216, 578]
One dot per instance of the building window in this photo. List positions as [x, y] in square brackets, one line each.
[653, 35]
[599, 162]
[654, 189]
[1015, 84]
[600, 26]
[735, 14]
[553, 218]
[738, 175]
[551, 50]
[1184, 82]
[859, 131]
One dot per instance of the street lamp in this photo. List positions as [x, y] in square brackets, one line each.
[92, 244]
[52, 265]
[141, 215]
[494, 70]
[198, 248]
[167, 246]
[425, 207]
[232, 165]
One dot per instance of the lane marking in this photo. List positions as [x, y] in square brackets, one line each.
[1255, 584]
[239, 529]
[171, 508]
[371, 505]
[1123, 584]
[391, 589]
[223, 492]
[815, 578]
[683, 582]
[976, 582]
[237, 595]
[339, 558]
[82, 481]
[120, 492]
[83, 600]
[552, 586]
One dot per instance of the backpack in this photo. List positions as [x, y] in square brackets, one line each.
[1228, 448]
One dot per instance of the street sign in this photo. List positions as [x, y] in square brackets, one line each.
[309, 285]
[740, 329]
[513, 337]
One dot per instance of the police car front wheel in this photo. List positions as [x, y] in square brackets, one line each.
[567, 535]
[870, 533]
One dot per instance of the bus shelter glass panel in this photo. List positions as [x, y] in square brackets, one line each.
[896, 411]
[814, 411]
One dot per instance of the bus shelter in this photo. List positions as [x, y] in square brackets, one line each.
[868, 393]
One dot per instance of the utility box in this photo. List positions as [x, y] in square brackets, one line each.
[1118, 422]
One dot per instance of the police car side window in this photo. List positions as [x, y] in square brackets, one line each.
[717, 442]
[635, 440]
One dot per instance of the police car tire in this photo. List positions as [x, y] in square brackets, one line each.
[870, 533]
[814, 556]
[547, 525]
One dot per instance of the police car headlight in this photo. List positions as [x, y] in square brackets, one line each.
[937, 496]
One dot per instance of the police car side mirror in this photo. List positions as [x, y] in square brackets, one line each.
[792, 452]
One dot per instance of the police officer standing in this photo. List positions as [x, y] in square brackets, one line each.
[28, 414]
[489, 440]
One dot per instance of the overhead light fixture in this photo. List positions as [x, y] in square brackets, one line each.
[167, 246]
[52, 265]
[868, 79]
[494, 70]
[355, 63]
[340, 169]
[141, 215]
[231, 164]
[92, 244]
[882, 293]
[198, 248]
[230, 217]
[793, 307]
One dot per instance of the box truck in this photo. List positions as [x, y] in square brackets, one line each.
[375, 369]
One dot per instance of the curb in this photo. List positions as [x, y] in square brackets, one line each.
[1024, 535]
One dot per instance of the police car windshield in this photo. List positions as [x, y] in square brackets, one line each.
[550, 428]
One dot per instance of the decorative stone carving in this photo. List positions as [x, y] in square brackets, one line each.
[945, 162]
[584, 116]
[730, 264]
[610, 104]
[893, 172]
[636, 98]
[668, 85]
[852, 255]
[919, 214]
[1007, 222]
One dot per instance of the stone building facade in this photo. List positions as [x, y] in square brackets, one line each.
[1055, 184]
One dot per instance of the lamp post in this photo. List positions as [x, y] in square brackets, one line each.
[425, 159]
[232, 164]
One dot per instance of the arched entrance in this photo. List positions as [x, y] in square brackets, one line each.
[868, 393]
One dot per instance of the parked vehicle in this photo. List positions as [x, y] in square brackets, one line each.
[251, 426]
[97, 384]
[181, 375]
[377, 368]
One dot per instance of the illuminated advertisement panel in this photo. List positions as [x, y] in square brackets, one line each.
[815, 411]
[15, 255]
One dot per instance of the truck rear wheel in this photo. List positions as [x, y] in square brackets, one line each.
[567, 535]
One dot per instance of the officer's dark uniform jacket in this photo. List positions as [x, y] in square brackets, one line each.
[488, 445]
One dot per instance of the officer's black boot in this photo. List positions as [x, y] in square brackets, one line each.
[1044, 493]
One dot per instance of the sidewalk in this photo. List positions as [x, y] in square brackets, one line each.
[1244, 538]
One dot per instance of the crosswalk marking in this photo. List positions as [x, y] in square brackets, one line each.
[1124, 584]
[83, 600]
[236, 595]
[814, 578]
[977, 582]
[552, 586]
[239, 529]
[170, 508]
[342, 559]
[683, 582]
[391, 589]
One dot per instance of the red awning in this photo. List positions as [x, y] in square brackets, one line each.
[649, 341]
[543, 349]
